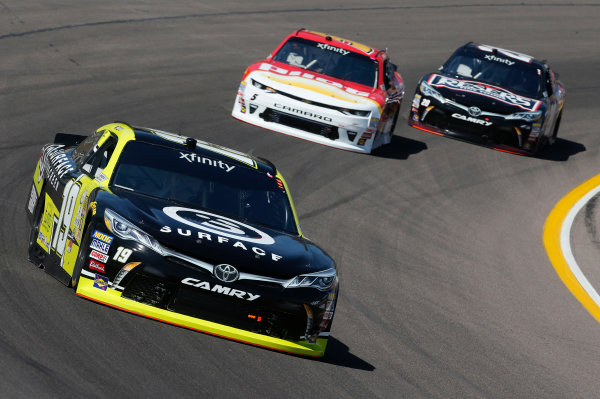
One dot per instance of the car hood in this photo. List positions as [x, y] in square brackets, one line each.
[315, 86]
[471, 92]
[208, 236]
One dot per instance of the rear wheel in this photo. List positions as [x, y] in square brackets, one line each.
[36, 252]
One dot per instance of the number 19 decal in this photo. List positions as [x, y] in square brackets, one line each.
[122, 254]
[61, 228]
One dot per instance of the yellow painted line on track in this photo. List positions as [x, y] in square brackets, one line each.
[557, 233]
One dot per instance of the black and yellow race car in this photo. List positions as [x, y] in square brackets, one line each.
[182, 231]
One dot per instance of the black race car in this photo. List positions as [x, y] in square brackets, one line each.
[183, 231]
[498, 98]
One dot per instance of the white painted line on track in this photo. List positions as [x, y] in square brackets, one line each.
[565, 245]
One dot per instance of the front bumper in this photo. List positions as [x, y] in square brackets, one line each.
[491, 130]
[89, 288]
[302, 118]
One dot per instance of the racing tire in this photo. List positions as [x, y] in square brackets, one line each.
[35, 252]
[540, 145]
[552, 139]
[394, 123]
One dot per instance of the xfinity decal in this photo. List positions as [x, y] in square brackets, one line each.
[217, 224]
[491, 57]
[302, 112]
[471, 119]
[238, 156]
[205, 285]
[494, 92]
[282, 71]
[326, 46]
[508, 53]
[191, 158]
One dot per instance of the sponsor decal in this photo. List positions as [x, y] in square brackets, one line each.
[416, 101]
[361, 141]
[193, 158]
[491, 57]
[101, 177]
[99, 256]
[55, 159]
[326, 46]
[306, 75]
[80, 218]
[224, 230]
[494, 92]
[103, 237]
[302, 112]
[33, 197]
[220, 289]
[508, 53]
[99, 267]
[99, 246]
[217, 224]
[280, 184]
[100, 282]
[93, 206]
[44, 240]
[471, 119]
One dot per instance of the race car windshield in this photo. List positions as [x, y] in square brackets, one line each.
[496, 69]
[329, 60]
[204, 180]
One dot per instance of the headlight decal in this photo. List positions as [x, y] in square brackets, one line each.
[322, 281]
[429, 91]
[526, 116]
[125, 230]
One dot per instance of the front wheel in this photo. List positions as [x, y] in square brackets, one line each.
[395, 120]
[552, 139]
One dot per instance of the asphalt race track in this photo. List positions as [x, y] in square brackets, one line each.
[446, 288]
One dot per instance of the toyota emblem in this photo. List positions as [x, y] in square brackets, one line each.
[474, 111]
[226, 273]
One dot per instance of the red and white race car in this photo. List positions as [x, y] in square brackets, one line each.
[324, 89]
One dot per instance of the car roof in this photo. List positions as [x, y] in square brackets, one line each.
[202, 148]
[338, 42]
[513, 55]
